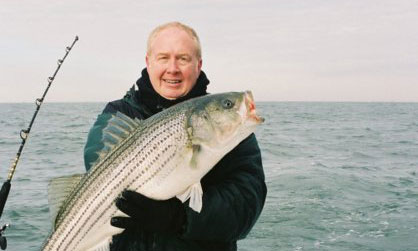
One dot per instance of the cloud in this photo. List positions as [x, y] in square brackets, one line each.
[282, 50]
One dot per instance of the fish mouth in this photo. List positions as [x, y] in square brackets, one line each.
[251, 112]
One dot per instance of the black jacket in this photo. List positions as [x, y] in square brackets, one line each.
[234, 191]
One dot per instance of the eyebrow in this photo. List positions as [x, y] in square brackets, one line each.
[167, 54]
[184, 54]
[162, 54]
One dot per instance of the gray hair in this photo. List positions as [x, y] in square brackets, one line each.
[179, 25]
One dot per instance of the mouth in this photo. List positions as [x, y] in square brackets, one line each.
[251, 112]
[172, 81]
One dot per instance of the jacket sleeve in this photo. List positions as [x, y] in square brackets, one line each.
[232, 201]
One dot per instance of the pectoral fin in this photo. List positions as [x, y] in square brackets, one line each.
[195, 194]
[195, 152]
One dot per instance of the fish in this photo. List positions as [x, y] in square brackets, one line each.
[162, 157]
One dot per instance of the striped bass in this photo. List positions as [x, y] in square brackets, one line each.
[161, 157]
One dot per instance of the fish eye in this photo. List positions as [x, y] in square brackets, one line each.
[227, 104]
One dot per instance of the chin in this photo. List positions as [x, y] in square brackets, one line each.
[171, 96]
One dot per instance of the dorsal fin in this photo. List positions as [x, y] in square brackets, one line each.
[58, 191]
[118, 128]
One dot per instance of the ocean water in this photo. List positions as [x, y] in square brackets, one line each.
[340, 176]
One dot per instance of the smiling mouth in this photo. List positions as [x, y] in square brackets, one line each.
[172, 81]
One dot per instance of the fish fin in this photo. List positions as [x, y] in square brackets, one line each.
[102, 246]
[124, 121]
[196, 197]
[119, 128]
[184, 196]
[58, 191]
[190, 132]
[195, 152]
[195, 193]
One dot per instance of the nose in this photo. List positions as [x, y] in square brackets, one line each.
[173, 66]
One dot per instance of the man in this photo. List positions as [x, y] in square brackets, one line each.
[234, 191]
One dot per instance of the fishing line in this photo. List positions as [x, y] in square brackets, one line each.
[24, 133]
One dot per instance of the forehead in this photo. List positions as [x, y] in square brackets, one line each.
[173, 39]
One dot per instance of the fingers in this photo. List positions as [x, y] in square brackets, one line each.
[132, 195]
[135, 197]
[140, 200]
[122, 222]
[127, 207]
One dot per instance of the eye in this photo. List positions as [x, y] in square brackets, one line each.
[184, 59]
[162, 57]
[227, 104]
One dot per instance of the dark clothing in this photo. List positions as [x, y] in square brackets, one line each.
[234, 191]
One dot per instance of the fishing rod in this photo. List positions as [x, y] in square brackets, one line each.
[24, 133]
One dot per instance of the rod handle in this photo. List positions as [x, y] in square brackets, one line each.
[4, 193]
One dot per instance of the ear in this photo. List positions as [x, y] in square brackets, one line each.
[199, 64]
[147, 60]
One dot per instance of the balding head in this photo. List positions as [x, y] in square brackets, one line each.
[187, 29]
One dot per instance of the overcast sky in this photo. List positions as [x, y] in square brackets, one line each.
[282, 50]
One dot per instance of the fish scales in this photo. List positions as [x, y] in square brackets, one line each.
[146, 155]
[115, 179]
[155, 159]
[99, 172]
[129, 172]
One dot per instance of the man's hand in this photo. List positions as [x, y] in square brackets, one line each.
[165, 216]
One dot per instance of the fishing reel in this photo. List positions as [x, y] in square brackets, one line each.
[3, 241]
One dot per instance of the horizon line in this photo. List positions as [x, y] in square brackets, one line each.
[261, 101]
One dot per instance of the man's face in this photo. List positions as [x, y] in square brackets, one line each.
[173, 65]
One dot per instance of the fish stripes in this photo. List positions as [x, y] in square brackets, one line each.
[161, 157]
[146, 154]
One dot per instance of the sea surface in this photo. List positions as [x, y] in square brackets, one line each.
[340, 176]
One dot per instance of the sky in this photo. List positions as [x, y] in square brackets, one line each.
[281, 50]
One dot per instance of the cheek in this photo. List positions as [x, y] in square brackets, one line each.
[202, 129]
[227, 124]
[155, 71]
[191, 72]
[190, 80]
